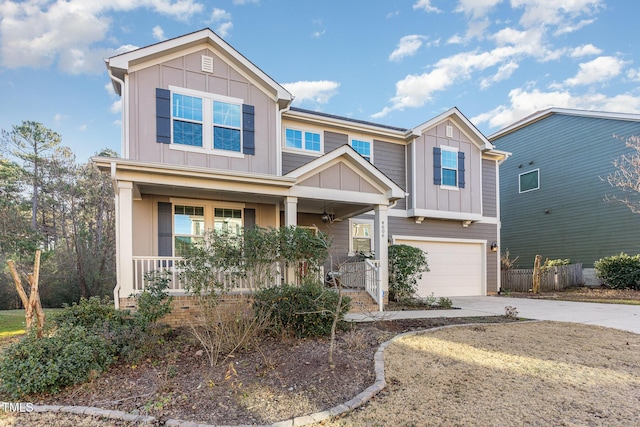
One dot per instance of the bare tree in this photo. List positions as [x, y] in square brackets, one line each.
[627, 175]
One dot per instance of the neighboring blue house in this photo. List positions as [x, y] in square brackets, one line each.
[554, 193]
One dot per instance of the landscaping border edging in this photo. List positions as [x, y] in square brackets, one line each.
[359, 400]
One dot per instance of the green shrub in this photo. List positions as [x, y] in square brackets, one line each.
[154, 302]
[35, 365]
[619, 271]
[406, 265]
[305, 310]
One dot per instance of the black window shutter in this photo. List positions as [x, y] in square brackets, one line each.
[437, 166]
[163, 116]
[460, 169]
[165, 232]
[248, 130]
[249, 218]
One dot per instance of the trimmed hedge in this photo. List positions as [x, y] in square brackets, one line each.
[619, 271]
[305, 310]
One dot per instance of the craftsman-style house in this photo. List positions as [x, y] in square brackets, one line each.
[211, 141]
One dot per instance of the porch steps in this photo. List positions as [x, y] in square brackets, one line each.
[361, 301]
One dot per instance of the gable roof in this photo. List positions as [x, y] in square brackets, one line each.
[119, 65]
[462, 121]
[542, 114]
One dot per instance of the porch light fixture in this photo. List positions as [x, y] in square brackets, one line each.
[326, 217]
[494, 246]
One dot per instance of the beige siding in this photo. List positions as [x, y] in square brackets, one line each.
[432, 197]
[185, 72]
[340, 177]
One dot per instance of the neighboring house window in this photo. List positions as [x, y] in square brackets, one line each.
[448, 167]
[529, 181]
[188, 227]
[302, 140]
[192, 119]
[361, 237]
[362, 147]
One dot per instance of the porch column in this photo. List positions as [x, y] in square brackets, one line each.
[381, 246]
[124, 235]
[290, 211]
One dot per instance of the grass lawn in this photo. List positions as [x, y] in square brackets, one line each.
[12, 322]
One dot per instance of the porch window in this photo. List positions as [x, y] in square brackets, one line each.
[188, 227]
[228, 220]
[361, 239]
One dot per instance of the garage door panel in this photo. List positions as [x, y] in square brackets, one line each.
[456, 268]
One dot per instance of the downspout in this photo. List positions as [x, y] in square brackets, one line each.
[279, 114]
[116, 290]
[124, 149]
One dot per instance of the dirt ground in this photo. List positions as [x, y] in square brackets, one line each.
[541, 373]
[584, 294]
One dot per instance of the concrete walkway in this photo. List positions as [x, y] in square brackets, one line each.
[619, 316]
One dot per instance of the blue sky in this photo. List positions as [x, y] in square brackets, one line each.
[398, 63]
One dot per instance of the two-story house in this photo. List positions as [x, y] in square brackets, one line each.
[211, 141]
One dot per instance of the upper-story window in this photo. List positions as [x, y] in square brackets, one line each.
[448, 167]
[362, 147]
[529, 181]
[303, 140]
[194, 120]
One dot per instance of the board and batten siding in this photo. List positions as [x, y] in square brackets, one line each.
[430, 196]
[452, 230]
[569, 215]
[185, 72]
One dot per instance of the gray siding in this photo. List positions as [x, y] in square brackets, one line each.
[291, 161]
[452, 229]
[489, 189]
[333, 140]
[390, 159]
[568, 217]
[185, 72]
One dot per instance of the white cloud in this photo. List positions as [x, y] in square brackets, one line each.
[407, 46]
[553, 12]
[524, 102]
[476, 8]
[319, 92]
[37, 33]
[60, 117]
[320, 31]
[584, 50]
[158, 33]
[242, 2]
[599, 70]
[426, 6]
[564, 29]
[504, 72]
[222, 21]
[116, 107]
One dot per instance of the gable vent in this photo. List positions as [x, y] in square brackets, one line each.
[449, 131]
[207, 64]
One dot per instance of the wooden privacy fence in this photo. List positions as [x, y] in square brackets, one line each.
[554, 279]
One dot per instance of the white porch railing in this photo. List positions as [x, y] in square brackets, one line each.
[146, 264]
[363, 275]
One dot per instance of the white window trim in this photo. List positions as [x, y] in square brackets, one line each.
[443, 186]
[207, 122]
[360, 221]
[302, 150]
[524, 173]
[351, 138]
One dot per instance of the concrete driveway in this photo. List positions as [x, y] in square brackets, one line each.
[624, 317]
[619, 316]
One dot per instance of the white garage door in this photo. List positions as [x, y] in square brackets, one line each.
[456, 268]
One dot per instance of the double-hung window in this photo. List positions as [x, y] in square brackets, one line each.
[303, 140]
[448, 167]
[362, 147]
[201, 121]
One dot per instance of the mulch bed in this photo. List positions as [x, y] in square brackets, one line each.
[281, 379]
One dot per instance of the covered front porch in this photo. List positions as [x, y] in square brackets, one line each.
[151, 199]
